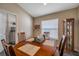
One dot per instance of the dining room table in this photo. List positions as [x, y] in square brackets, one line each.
[44, 50]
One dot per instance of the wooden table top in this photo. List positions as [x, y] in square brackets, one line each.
[43, 51]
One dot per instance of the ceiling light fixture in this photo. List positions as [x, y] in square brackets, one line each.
[45, 4]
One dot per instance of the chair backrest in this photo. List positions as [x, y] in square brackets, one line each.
[62, 45]
[47, 35]
[5, 46]
[11, 51]
[21, 36]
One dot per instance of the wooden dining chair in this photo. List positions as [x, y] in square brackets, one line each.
[11, 51]
[62, 45]
[21, 36]
[5, 46]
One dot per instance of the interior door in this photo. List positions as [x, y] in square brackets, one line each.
[69, 31]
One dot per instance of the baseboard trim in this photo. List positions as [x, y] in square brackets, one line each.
[1, 51]
[76, 50]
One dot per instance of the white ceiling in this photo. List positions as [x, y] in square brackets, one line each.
[39, 9]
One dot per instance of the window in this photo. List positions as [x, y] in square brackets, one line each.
[50, 26]
[3, 21]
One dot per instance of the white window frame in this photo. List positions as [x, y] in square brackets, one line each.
[53, 28]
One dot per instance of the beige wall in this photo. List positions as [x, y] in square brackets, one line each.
[78, 28]
[72, 13]
[24, 20]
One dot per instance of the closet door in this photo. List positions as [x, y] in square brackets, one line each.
[3, 22]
